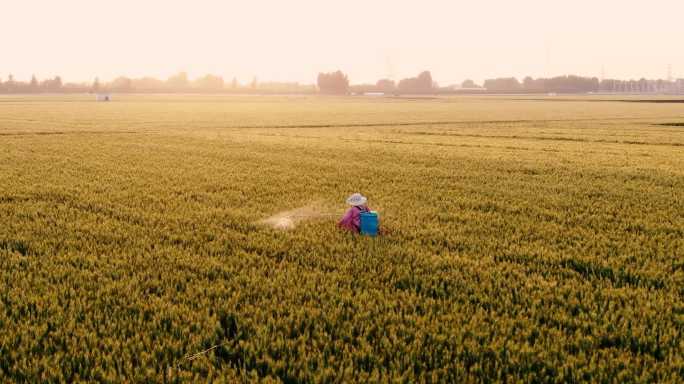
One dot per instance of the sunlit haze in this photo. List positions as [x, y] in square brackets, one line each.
[294, 40]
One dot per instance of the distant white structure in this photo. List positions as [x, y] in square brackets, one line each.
[376, 94]
[103, 97]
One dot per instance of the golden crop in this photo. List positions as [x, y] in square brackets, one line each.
[528, 240]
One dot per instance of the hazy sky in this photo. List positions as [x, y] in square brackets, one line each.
[294, 40]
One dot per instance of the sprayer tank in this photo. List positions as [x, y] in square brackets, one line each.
[369, 223]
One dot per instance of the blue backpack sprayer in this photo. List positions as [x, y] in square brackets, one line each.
[369, 223]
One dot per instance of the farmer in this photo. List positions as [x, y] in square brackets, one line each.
[352, 219]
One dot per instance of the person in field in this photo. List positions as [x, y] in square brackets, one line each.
[352, 218]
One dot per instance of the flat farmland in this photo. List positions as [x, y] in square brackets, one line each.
[527, 239]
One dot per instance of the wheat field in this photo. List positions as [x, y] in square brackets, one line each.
[527, 239]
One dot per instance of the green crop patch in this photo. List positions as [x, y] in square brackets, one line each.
[15, 246]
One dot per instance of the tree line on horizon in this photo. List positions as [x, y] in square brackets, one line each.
[337, 83]
[177, 83]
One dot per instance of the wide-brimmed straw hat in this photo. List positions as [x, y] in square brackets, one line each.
[356, 200]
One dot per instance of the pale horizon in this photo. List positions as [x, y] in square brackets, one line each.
[81, 40]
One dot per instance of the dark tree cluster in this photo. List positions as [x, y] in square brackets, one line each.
[421, 84]
[502, 84]
[334, 83]
[469, 84]
[34, 86]
[562, 84]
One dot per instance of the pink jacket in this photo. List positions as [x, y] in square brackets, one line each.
[352, 219]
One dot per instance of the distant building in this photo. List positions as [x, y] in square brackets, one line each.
[103, 97]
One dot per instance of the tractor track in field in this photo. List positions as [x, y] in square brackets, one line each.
[542, 138]
[511, 137]
[430, 123]
[58, 133]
